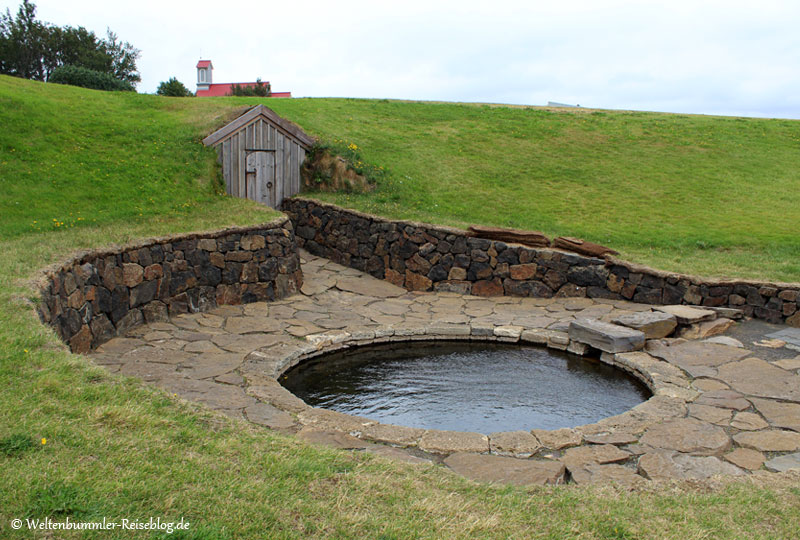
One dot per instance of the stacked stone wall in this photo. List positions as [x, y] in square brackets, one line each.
[425, 257]
[101, 294]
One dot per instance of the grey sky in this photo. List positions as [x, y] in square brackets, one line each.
[713, 57]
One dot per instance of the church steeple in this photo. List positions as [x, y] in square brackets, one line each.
[205, 70]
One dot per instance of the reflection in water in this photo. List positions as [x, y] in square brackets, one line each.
[465, 386]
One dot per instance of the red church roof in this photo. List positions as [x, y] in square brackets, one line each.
[204, 63]
[223, 89]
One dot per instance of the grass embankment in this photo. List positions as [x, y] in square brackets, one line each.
[712, 196]
[118, 449]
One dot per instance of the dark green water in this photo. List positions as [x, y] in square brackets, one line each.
[466, 386]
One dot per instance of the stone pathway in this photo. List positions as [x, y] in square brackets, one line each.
[718, 406]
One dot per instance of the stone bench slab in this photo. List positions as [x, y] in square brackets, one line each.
[654, 324]
[607, 337]
[688, 315]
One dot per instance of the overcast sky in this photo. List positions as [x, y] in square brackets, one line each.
[715, 57]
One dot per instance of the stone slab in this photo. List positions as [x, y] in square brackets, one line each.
[706, 329]
[205, 366]
[746, 458]
[671, 465]
[391, 434]
[333, 438]
[707, 385]
[120, 345]
[756, 377]
[593, 453]
[448, 442]
[558, 439]
[707, 413]
[158, 355]
[725, 399]
[779, 414]
[396, 454]
[324, 419]
[789, 364]
[148, 371]
[611, 437]
[506, 470]
[607, 337]
[278, 396]
[725, 340]
[687, 435]
[699, 359]
[248, 325]
[230, 378]
[369, 286]
[520, 444]
[654, 324]
[770, 440]
[748, 421]
[729, 313]
[216, 395]
[247, 343]
[784, 463]
[606, 474]
[686, 314]
[265, 414]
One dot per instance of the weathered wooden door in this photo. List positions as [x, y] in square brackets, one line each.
[261, 177]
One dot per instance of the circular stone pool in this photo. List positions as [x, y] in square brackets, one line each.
[465, 386]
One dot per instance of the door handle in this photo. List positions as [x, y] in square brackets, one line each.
[269, 185]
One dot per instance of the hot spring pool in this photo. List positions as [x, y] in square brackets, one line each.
[465, 386]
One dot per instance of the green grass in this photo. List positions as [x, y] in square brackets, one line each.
[713, 196]
[117, 448]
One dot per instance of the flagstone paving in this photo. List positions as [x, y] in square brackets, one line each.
[716, 408]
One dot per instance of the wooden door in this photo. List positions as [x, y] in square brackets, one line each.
[261, 178]
[266, 182]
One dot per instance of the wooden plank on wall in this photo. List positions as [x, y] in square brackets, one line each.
[235, 166]
[287, 167]
[226, 166]
[298, 161]
[289, 184]
[242, 162]
[294, 171]
[269, 142]
[220, 148]
[300, 177]
[248, 133]
[279, 140]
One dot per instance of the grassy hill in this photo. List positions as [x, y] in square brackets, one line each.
[80, 169]
[714, 196]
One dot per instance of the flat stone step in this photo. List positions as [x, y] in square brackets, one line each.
[688, 315]
[654, 324]
[607, 337]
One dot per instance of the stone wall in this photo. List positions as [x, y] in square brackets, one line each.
[100, 294]
[425, 257]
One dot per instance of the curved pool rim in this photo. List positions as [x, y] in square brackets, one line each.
[668, 385]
